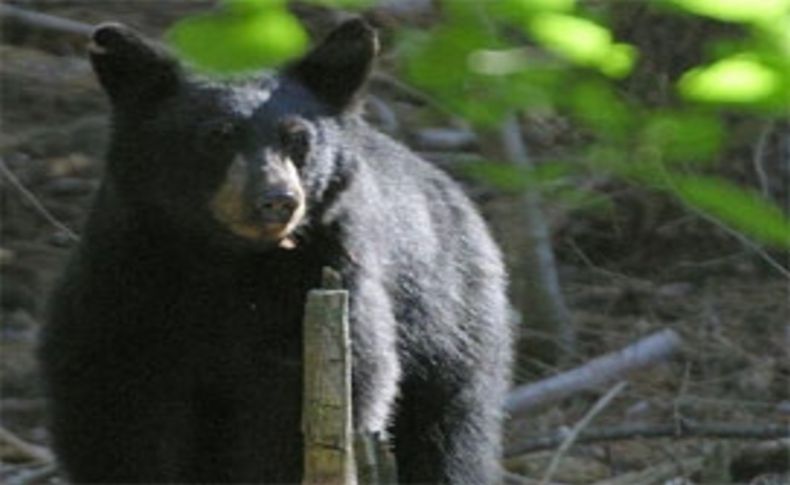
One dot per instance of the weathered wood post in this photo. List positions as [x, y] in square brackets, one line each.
[334, 454]
[327, 414]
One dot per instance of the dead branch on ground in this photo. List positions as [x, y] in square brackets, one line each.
[680, 430]
[600, 371]
[21, 449]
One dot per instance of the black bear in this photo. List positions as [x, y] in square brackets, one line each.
[174, 347]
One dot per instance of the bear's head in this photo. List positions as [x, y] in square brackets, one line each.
[245, 160]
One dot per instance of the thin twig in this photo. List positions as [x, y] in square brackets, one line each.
[33, 200]
[404, 90]
[516, 479]
[744, 240]
[682, 390]
[676, 430]
[707, 402]
[570, 439]
[759, 157]
[658, 473]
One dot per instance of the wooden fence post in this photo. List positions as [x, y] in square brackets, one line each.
[334, 454]
[327, 414]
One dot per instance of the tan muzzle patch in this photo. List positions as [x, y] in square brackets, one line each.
[230, 209]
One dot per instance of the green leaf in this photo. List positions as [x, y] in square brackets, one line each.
[740, 209]
[597, 104]
[439, 64]
[582, 199]
[575, 38]
[583, 42]
[683, 137]
[520, 9]
[242, 35]
[739, 79]
[438, 61]
[757, 11]
[619, 60]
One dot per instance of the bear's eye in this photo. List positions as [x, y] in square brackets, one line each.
[295, 140]
[218, 135]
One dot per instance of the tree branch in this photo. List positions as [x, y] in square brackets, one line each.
[598, 372]
[542, 300]
[24, 450]
[681, 430]
[41, 21]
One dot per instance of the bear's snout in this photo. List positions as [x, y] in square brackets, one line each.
[278, 206]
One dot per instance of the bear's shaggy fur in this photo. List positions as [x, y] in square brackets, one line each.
[174, 347]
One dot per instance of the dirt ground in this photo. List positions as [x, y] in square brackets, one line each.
[640, 265]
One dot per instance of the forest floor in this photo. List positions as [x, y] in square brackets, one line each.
[640, 265]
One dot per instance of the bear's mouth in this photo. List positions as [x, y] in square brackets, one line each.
[265, 228]
[274, 220]
[277, 234]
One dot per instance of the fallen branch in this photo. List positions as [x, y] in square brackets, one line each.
[511, 478]
[680, 430]
[761, 458]
[659, 473]
[34, 476]
[21, 450]
[598, 372]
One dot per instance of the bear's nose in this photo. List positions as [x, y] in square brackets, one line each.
[278, 205]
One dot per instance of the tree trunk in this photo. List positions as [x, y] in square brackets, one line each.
[547, 332]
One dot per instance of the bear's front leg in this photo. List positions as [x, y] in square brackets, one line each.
[449, 433]
[376, 368]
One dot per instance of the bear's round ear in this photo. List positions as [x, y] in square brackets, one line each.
[132, 71]
[337, 69]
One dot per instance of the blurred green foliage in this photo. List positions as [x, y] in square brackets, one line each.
[241, 35]
[575, 69]
[581, 41]
[489, 59]
[735, 206]
[740, 79]
[749, 11]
